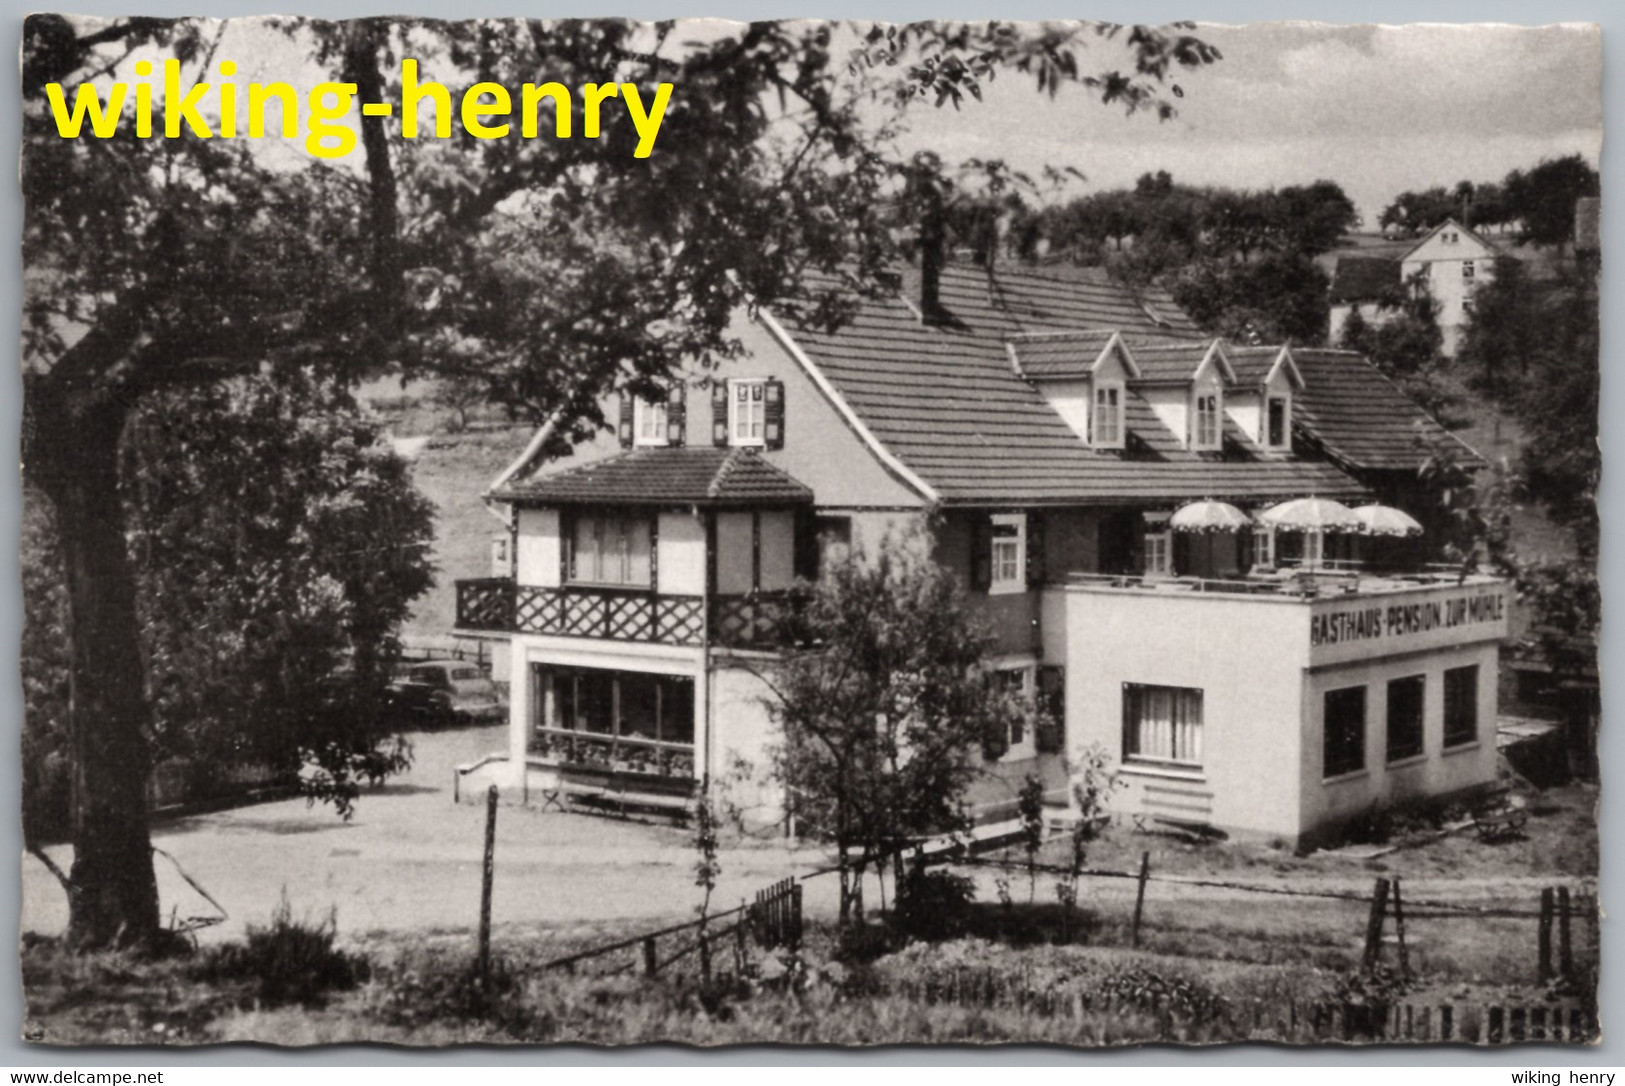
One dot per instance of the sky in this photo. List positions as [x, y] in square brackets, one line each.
[1377, 109]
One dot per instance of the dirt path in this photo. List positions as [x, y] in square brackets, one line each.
[409, 861]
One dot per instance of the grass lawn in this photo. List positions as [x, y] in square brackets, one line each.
[1255, 954]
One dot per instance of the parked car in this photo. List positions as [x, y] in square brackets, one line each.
[445, 693]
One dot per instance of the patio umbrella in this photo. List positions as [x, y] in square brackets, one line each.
[1386, 520]
[1311, 515]
[1209, 516]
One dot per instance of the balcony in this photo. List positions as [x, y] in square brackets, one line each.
[498, 605]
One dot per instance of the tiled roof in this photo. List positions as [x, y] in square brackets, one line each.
[1058, 354]
[945, 401]
[1253, 364]
[1167, 361]
[699, 475]
[1365, 278]
[1360, 417]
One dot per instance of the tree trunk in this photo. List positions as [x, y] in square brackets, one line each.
[113, 896]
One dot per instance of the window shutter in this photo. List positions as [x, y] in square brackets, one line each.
[567, 546]
[625, 426]
[677, 414]
[1037, 567]
[981, 555]
[654, 551]
[773, 414]
[1052, 699]
[719, 412]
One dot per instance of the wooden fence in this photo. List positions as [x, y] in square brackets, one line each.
[772, 920]
[1320, 1022]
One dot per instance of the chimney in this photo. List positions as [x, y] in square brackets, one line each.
[933, 239]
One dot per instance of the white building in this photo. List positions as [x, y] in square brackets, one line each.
[1451, 261]
[1448, 263]
[1047, 430]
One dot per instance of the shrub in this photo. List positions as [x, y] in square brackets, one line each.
[1150, 990]
[1378, 986]
[290, 961]
[935, 905]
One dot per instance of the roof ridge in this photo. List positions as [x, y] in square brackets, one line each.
[719, 478]
[1059, 334]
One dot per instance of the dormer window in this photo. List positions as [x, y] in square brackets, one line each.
[1205, 434]
[1278, 423]
[1108, 416]
[649, 423]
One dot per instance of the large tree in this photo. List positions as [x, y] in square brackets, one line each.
[545, 269]
[268, 611]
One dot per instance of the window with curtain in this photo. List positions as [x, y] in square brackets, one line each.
[1109, 416]
[1207, 420]
[1162, 725]
[1009, 553]
[612, 549]
[650, 423]
[747, 412]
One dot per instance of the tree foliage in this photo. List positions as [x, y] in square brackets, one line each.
[1406, 345]
[545, 270]
[1539, 201]
[268, 612]
[1171, 225]
[886, 706]
[1276, 298]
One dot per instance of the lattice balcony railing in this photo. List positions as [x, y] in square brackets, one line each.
[615, 616]
[754, 621]
[486, 604]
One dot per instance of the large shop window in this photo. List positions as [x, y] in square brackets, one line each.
[1162, 725]
[644, 722]
[612, 549]
[1461, 705]
[1405, 699]
[1344, 722]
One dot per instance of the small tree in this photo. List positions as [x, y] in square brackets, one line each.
[1030, 808]
[706, 869]
[884, 706]
[1092, 785]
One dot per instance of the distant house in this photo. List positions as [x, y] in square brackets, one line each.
[1449, 263]
[1043, 430]
[1369, 285]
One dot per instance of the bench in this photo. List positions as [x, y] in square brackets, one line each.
[1501, 819]
[625, 788]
